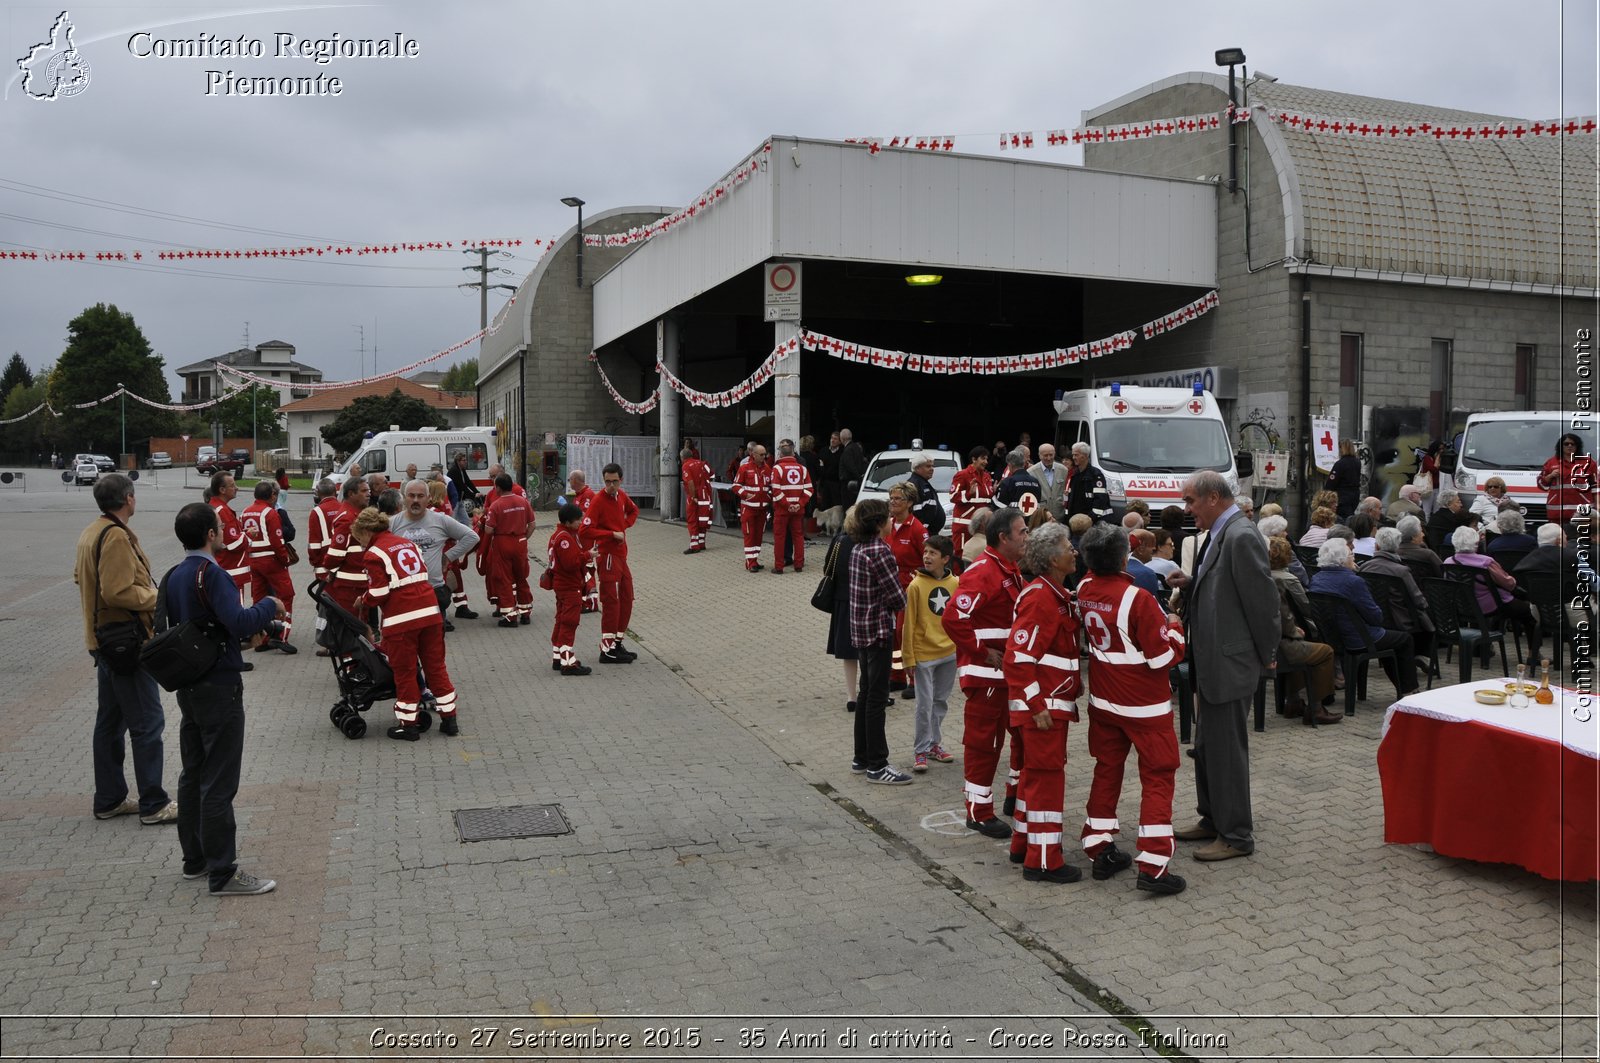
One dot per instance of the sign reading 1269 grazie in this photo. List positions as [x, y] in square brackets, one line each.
[783, 291]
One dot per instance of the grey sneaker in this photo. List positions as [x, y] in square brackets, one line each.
[244, 884]
[129, 806]
[889, 775]
[167, 813]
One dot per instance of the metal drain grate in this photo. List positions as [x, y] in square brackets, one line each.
[517, 821]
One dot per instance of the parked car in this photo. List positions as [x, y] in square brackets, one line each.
[204, 458]
[85, 472]
[103, 463]
[892, 466]
[160, 459]
[234, 461]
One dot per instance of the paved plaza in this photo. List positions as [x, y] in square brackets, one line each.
[729, 888]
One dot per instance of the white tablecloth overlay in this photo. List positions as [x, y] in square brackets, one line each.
[1558, 722]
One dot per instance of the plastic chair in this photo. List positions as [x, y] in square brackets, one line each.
[1400, 612]
[1469, 576]
[1353, 659]
[1307, 556]
[1458, 621]
[1545, 594]
[1182, 679]
[1510, 559]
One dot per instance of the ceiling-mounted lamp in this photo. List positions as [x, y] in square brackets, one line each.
[923, 280]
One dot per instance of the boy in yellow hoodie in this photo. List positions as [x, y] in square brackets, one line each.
[928, 650]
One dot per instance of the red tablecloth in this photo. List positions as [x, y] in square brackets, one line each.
[1482, 792]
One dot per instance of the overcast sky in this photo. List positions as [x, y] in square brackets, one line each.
[510, 106]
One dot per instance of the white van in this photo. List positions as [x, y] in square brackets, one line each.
[390, 452]
[1146, 440]
[1514, 445]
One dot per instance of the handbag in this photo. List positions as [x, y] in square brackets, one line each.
[823, 597]
[547, 579]
[1423, 482]
[118, 641]
[182, 655]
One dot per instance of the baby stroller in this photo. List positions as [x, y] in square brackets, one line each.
[360, 667]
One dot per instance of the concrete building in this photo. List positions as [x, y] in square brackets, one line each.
[1401, 282]
[273, 359]
[304, 418]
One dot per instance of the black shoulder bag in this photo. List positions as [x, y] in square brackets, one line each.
[181, 656]
[822, 597]
[119, 641]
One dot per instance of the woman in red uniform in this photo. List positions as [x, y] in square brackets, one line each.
[907, 537]
[410, 626]
[1570, 479]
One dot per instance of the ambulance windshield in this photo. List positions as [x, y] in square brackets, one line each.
[1511, 444]
[1161, 444]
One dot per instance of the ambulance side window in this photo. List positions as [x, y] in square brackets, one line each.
[477, 456]
[374, 461]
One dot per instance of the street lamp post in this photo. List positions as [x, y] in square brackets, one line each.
[1230, 58]
[574, 201]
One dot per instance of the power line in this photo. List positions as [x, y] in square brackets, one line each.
[128, 208]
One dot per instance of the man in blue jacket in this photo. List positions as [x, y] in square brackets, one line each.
[211, 736]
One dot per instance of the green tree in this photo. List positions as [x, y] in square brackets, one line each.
[461, 377]
[31, 437]
[375, 413]
[105, 348]
[235, 413]
[17, 374]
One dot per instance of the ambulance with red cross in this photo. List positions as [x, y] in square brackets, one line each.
[1146, 440]
[1514, 445]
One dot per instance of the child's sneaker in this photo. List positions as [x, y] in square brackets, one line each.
[920, 764]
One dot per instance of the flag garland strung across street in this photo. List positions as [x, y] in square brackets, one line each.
[740, 391]
[630, 407]
[261, 253]
[1376, 129]
[175, 407]
[710, 198]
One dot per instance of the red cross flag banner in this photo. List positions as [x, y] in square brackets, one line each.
[1324, 442]
[1367, 128]
[631, 407]
[707, 200]
[925, 142]
[310, 251]
[1272, 469]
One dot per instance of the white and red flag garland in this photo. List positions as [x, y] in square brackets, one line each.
[309, 251]
[710, 198]
[936, 142]
[740, 391]
[631, 407]
[1380, 129]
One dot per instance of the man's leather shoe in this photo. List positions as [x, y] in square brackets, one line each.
[990, 828]
[1166, 885]
[1323, 716]
[691, 550]
[1063, 874]
[448, 726]
[463, 613]
[1196, 833]
[555, 665]
[1219, 850]
[1109, 862]
[247, 667]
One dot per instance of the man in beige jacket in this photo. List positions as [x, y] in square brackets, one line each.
[114, 585]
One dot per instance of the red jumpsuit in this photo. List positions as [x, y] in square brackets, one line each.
[791, 490]
[319, 535]
[906, 541]
[507, 520]
[970, 490]
[608, 514]
[411, 628]
[697, 501]
[1571, 486]
[486, 557]
[232, 548]
[345, 562]
[1042, 675]
[568, 562]
[591, 574]
[269, 559]
[1133, 647]
[979, 620]
[753, 485]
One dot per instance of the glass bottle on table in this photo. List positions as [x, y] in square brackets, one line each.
[1544, 695]
[1519, 693]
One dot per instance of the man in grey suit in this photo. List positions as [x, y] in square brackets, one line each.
[1053, 478]
[1233, 625]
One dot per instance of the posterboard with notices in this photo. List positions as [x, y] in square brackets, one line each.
[637, 456]
[588, 454]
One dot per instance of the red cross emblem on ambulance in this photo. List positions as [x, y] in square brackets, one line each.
[1197, 407]
[1119, 407]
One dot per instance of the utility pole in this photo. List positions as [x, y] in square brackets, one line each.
[483, 269]
[361, 331]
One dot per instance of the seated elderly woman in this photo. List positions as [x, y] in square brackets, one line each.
[1511, 536]
[1321, 520]
[1336, 575]
[1448, 515]
[1273, 526]
[1497, 593]
[1297, 649]
[1487, 504]
[1402, 600]
[1361, 529]
[1414, 547]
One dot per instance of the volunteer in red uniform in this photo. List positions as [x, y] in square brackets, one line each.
[906, 539]
[348, 575]
[486, 555]
[269, 560]
[753, 485]
[1042, 677]
[582, 495]
[508, 520]
[232, 547]
[1133, 643]
[319, 528]
[978, 621]
[697, 500]
[791, 490]
[568, 560]
[410, 628]
[1569, 477]
[970, 490]
[605, 527]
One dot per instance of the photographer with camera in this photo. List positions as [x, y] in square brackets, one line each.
[211, 736]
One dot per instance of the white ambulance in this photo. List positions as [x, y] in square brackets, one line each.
[390, 452]
[1514, 445]
[1146, 440]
